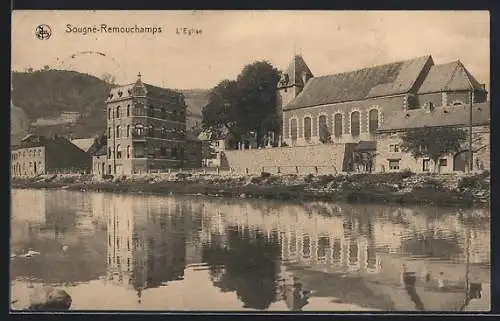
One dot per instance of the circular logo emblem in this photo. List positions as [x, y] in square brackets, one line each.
[43, 32]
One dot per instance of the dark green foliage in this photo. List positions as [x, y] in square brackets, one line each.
[246, 104]
[476, 181]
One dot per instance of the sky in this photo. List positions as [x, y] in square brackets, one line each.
[329, 41]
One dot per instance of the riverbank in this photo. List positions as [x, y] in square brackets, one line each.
[399, 187]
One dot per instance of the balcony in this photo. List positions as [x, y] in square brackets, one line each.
[138, 137]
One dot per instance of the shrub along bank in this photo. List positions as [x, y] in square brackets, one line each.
[398, 187]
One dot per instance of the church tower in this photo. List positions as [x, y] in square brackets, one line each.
[292, 81]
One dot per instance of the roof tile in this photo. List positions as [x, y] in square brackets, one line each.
[389, 79]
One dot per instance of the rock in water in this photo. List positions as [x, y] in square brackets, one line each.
[47, 298]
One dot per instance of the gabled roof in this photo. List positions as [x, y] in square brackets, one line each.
[84, 143]
[389, 79]
[449, 77]
[293, 74]
[440, 116]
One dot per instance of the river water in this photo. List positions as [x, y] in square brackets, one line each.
[135, 252]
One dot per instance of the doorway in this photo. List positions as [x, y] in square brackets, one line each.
[460, 161]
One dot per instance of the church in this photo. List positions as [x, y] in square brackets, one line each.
[350, 107]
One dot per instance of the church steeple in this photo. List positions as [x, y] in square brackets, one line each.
[297, 73]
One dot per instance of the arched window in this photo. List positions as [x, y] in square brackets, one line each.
[163, 132]
[372, 121]
[109, 113]
[151, 131]
[118, 151]
[338, 125]
[355, 126]
[139, 129]
[293, 129]
[323, 130]
[128, 151]
[117, 134]
[128, 130]
[307, 128]
[118, 112]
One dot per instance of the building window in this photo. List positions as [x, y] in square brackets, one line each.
[109, 132]
[118, 151]
[443, 162]
[355, 125]
[323, 127]
[117, 134]
[128, 151]
[372, 121]
[139, 129]
[109, 113]
[426, 165]
[128, 130]
[118, 112]
[394, 148]
[163, 132]
[174, 152]
[109, 152]
[293, 129]
[128, 110]
[307, 128]
[394, 164]
[163, 112]
[458, 103]
[151, 131]
[151, 111]
[163, 152]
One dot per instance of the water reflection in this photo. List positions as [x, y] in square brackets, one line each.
[166, 253]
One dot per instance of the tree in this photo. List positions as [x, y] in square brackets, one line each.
[207, 151]
[433, 142]
[108, 78]
[364, 160]
[256, 85]
[221, 113]
[247, 104]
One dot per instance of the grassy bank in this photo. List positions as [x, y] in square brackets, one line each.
[401, 187]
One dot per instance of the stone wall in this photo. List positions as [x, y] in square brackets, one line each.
[385, 106]
[314, 159]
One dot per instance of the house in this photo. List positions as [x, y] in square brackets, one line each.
[37, 155]
[390, 157]
[212, 149]
[99, 162]
[146, 129]
[349, 107]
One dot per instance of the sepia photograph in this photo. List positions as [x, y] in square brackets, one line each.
[250, 161]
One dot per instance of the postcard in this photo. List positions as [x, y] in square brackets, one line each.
[250, 161]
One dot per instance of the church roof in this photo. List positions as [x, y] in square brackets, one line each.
[293, 74]
[383, 80]
[440, 116]
[449, 77]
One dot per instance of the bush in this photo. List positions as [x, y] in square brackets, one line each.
[476, 181]
[265, 175]
[182, 175]
[309, 178]
[407, 173]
